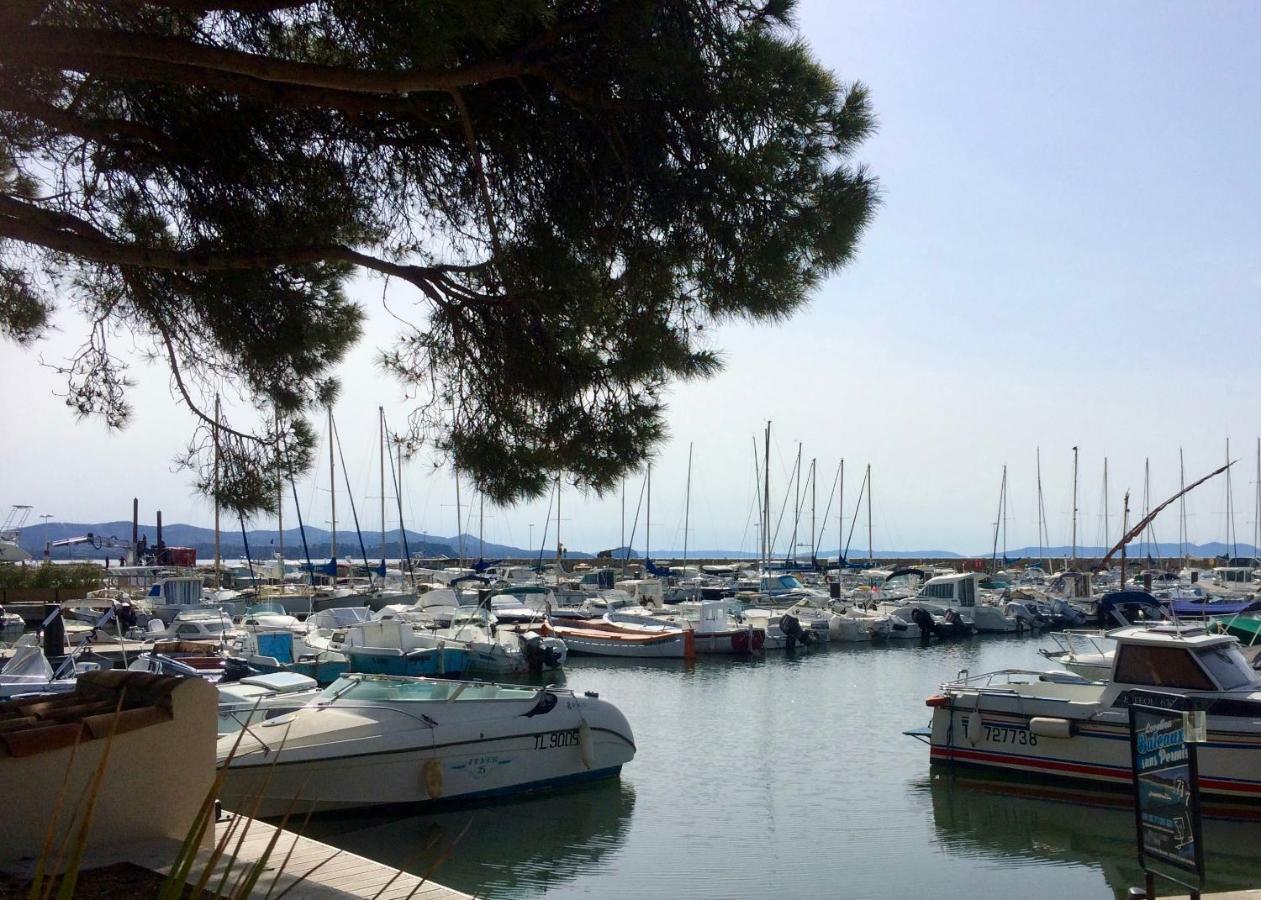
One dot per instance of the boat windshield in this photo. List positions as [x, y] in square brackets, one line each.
[1228, 668]
[266, 609]
[398, 690]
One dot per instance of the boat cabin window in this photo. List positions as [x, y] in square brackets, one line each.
[1228, 668]
[1160, 667]
[373, 690]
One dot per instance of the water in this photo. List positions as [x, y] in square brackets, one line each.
[786, 776]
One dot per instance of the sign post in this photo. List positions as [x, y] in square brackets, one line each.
[1164, 729]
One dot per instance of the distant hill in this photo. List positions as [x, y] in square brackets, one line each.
[264, 543]
[1136, 550]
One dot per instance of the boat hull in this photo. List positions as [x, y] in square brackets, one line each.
[596, 642]
[1001, 736]
[429, 661]
[577, 739]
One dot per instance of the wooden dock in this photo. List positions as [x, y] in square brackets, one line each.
[319, 871]
[301, 868]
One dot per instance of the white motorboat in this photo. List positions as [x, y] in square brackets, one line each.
[372, 740]
[502, 651]
[260, 697]
[959, 592]
[1086, 653]
[28, 672]
[1058, 725]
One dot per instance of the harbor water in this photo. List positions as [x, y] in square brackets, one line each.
[787, 776]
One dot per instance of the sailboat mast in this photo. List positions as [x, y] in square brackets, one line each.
[332, 492]
[558, 544]
[1147, 499]
[1074, 506]
[381, 433]
[481, 526]
[1041, 547]
[871, 555]
[1125, 530]
[814, 498]
[459, 518]
[1004, 515]
[1256, 531]
[840, 520]
[796, 504]
[623, 543]
[218, 558]
[766, 501]
[1182, 508]
[648, 523]
[687, 504]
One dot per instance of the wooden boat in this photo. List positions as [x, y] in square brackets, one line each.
[604, 638]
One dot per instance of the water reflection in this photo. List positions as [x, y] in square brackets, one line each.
[501, 850]
[1001, 822]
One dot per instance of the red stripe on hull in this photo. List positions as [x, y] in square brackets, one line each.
[1085, 770]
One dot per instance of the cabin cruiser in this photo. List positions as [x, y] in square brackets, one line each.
[1060, 725]
[959, 591]
[371, 740]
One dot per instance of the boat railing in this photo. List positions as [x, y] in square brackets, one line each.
[1079, 644]
[1001, 678]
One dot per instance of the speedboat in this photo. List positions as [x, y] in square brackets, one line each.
[374, 740]
[1059, 725]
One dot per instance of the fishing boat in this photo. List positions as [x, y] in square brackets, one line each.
[1058, 725]
[371, 740]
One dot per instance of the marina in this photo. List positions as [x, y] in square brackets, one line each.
[697, 449]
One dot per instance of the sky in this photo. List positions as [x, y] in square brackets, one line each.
[1066, 255]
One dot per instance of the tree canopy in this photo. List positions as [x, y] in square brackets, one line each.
[573, 191]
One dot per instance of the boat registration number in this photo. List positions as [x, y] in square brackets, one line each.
[554, 739]
[1002, 734]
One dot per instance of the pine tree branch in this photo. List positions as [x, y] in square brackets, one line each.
[65, 233]
[50, 40]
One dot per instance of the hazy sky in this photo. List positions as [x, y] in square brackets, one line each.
[1066, 254]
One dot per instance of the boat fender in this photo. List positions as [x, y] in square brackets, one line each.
[585, 745]
[1051, 727]
[432, 773]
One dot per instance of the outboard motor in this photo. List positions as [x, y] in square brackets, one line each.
[539, 656]
[924, 620]
[794, 633]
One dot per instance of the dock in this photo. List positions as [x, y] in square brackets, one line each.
[301, 868]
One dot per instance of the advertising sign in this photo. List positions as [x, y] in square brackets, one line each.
[1166, 786]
